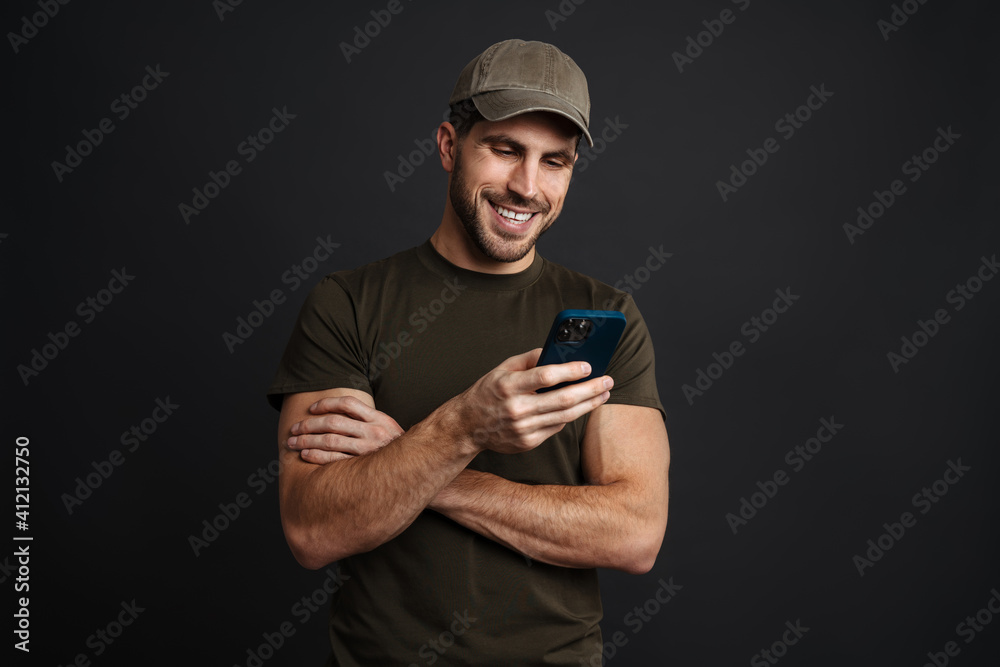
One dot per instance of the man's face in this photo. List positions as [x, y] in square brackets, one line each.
[510, 180]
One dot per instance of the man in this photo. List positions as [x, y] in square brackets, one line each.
[469, 511]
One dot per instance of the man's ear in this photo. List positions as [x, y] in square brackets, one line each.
[447, 143]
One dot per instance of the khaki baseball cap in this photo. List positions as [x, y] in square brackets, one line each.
[514, 77]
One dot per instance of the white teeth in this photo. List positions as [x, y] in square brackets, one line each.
[510, 215]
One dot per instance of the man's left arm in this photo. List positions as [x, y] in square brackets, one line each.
[617, 520]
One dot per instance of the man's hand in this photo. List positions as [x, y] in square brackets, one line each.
[503, 412]
[342, 427]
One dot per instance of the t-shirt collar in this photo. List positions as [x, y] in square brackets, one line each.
[490, 282]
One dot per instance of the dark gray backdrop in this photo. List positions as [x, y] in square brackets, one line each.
[218, 73]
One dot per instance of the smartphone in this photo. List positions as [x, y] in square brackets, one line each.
[583, 335]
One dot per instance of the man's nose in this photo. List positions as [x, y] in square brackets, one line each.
[523, 180]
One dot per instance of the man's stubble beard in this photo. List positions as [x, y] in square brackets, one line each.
[464, 204]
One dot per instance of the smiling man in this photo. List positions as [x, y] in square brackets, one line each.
[467, 509]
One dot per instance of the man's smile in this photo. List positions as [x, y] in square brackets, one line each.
[512, 216]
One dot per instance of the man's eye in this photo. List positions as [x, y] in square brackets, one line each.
[502, 152]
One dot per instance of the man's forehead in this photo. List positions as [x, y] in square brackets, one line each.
[536, 126]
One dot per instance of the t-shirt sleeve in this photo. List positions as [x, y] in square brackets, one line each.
[632, 366]
[325, 348]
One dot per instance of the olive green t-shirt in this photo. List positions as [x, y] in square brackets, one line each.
[414, 330]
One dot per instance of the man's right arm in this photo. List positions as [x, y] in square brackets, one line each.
[355, 504]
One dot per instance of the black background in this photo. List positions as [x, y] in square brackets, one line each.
[654, 185]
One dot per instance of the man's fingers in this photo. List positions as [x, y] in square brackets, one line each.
[330, 442]
[568, 403]
[570, 395]
[320, 457]
[550, 375]
[523, 376]
[330, 423]
[346, 415]
[347, 405]
[563, 413]
[521, 362]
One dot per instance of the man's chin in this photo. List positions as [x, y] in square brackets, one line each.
[509, 248]
[506, 251]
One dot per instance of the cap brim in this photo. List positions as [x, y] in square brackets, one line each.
[503, 104]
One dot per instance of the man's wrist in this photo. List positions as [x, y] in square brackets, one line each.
[451, 496]
[442, 501]
[453, 426]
